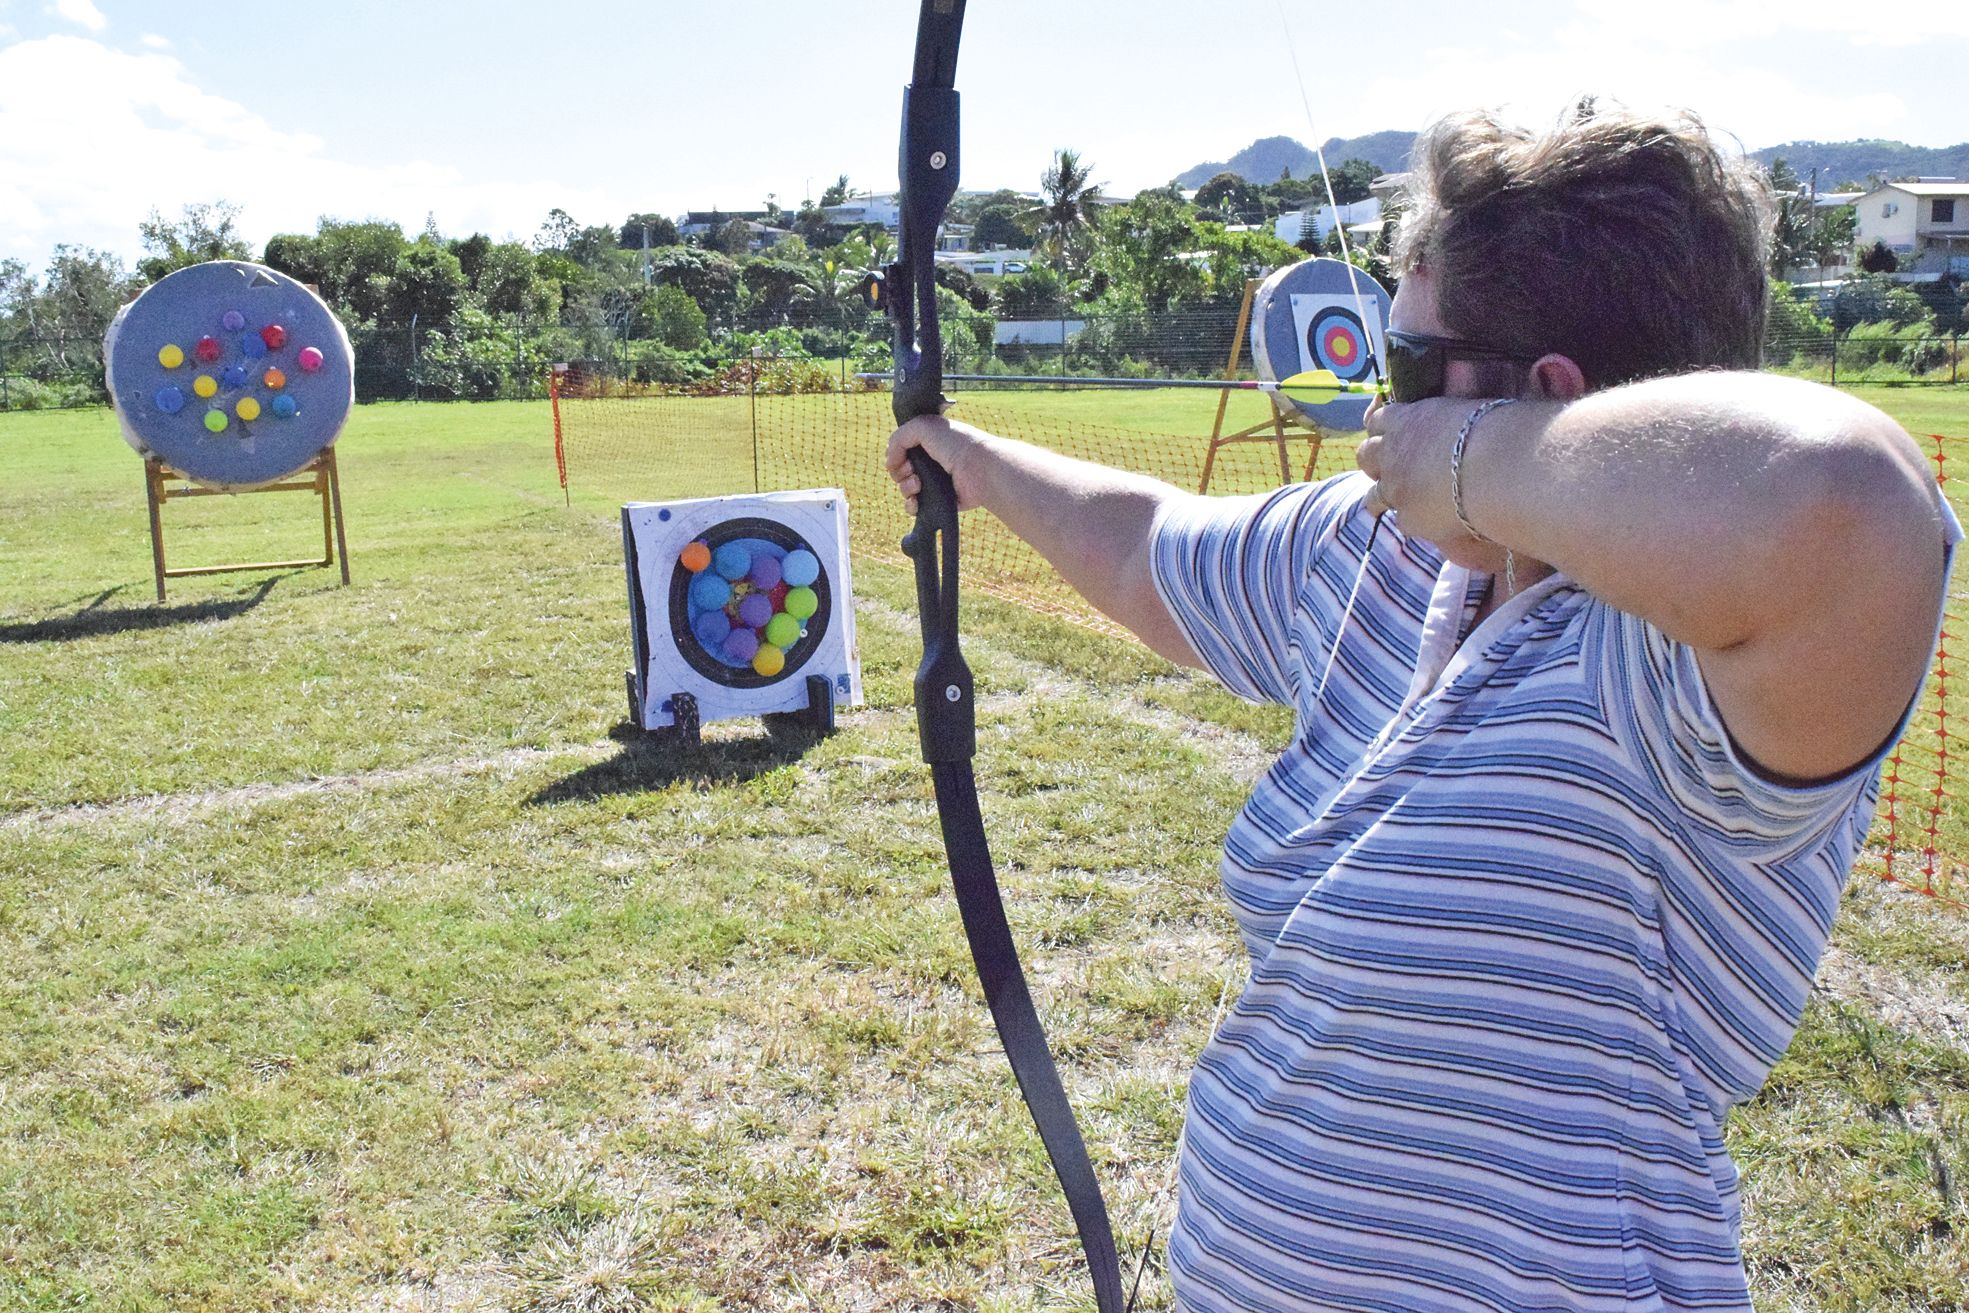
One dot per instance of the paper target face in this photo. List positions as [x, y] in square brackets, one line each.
[1332, 337]
[755, 607]
[739, 602]
[1310, 316]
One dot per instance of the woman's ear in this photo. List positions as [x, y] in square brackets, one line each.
[1556, 378]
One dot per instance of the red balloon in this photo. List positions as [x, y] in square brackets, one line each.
[778, 595]
[207, 349]
[274, 336]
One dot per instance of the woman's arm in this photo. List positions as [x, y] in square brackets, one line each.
[1091, 522]
[1788, 532]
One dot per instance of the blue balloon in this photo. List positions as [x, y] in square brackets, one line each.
[234, 377]
[169, 400]
[283, 405]
[800, 568]
[709, 592]
[252, 347]
[711, 628]
[732, 560]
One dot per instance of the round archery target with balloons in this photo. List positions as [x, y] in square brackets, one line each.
[749, 602]
[1321, 314]
[231, 373]
[741, 607]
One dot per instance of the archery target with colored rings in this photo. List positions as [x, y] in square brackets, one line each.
[1321, 314]
[738, 602]
[231, 373]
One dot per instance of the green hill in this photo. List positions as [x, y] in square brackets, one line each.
[1266, 159]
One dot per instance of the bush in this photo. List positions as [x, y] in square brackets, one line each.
[61, 394]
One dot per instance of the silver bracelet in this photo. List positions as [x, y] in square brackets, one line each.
[1456, 465]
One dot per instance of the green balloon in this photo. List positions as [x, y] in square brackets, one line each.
[215, 420]
[801, 603]
[782, 630]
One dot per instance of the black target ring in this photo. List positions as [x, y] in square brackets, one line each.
[686, 640]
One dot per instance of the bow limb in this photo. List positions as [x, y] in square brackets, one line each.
[945, 704]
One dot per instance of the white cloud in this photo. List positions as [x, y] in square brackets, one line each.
[1759, 106]
[156, 140]
[1695, 23]
[152, 41]
[83, 13]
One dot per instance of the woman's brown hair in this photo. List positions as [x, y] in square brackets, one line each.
[1631, 243]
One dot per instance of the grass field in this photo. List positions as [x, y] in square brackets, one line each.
[359, 958]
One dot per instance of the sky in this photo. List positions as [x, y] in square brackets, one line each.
[484, 116]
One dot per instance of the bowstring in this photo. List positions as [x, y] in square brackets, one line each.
[1326, 180]
[1368, 326]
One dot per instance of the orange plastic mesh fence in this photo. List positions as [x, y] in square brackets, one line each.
[631, 444]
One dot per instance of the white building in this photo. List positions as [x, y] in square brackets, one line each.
[859, 210]
[987, 262]
[1926, 223]
[1297, 224]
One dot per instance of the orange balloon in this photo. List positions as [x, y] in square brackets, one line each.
[274, 379]
[695, 557]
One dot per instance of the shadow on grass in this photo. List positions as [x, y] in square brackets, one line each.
[95, 619]
[656, 760]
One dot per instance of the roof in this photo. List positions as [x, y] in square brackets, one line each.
[1925, 188]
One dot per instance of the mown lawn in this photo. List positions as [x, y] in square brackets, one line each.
[359, 957]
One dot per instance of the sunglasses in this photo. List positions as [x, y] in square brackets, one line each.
[1419, 362]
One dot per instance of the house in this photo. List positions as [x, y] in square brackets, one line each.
[1925, 223]
[987, 262]
[860, 211]
[699, 222]
[1360, 217]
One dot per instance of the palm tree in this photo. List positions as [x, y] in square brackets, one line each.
[1063, 220]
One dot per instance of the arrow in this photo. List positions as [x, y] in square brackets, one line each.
[1312, 382]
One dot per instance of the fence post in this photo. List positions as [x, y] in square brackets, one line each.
[1835, 357]
[6, 402]
[752, 404]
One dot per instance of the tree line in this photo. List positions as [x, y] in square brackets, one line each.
[443, 316]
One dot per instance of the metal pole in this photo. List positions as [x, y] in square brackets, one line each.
[5, 402]
[415, 394]
[752, 390]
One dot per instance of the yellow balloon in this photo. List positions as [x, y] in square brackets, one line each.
[171, 356]
[247, 408]
[204, 385]
[768, 660]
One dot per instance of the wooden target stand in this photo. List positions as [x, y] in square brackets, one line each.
[163, 484]
[1272, 431]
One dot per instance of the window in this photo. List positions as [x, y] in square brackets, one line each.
[1888, 210]
[1944, 211]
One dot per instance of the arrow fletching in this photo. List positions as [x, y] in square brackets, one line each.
[1325, 380]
